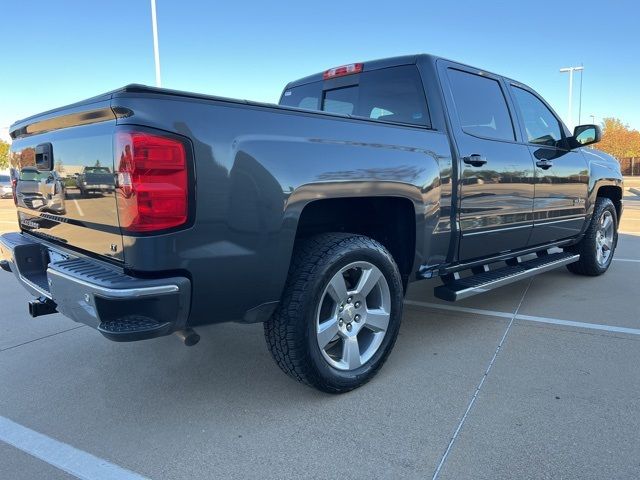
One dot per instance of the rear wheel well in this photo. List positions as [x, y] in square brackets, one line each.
[614, 194]
[389, 220]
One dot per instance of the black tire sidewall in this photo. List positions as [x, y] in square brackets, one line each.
[588, 263]
[322, 369]
[605, 206]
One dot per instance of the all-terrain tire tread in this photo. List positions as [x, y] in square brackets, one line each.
[281, 333]
[588, 264]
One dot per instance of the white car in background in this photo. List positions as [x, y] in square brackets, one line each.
[6, 191]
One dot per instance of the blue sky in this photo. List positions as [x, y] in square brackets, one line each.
[61, 51]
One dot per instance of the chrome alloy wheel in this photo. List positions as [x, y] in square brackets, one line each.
[353, 315]
[604, 239]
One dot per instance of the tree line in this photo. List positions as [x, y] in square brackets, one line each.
[618, 139]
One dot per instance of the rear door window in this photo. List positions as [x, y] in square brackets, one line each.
[481, 106]
[391, 94]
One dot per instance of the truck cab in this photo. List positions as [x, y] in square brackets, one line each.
[522, 178]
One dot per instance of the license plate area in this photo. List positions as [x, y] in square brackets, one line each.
[31, 261]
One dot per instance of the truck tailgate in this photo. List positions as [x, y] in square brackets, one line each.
[74, 137]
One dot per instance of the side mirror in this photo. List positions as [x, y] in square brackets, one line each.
[584, 135]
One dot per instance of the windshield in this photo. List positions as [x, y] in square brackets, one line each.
[29, 175]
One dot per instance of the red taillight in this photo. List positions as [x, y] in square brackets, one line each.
[343, 70]
[152, 182]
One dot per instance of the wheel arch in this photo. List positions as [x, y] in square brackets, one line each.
[614, 193]
[604, 182]
[388, 219]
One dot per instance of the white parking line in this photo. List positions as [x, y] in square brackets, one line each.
[479, 387]
[528, 318]
[626, 260]
[78, 207]
[61, 455]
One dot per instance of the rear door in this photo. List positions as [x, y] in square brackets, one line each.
[495, 185]
[561, 175]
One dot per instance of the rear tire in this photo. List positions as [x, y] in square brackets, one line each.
[598, 245]
[332, 343]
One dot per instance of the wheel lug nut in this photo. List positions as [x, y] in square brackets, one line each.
[349, 300]
[348, 326]
[357, 304]
[340, 322]
[357, 318]
[341, 307]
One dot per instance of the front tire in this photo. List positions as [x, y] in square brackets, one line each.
[340, 312]
[598, 245]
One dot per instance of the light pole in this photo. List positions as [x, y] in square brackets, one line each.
[580, 100]
[156, 52]
[593, 119]
[570, 70]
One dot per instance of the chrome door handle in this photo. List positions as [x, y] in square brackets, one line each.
[544, 164]
[475, 160]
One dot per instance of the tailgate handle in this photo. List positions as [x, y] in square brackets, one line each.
[44, 157]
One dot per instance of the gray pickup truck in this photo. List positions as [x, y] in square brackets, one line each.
[311, 216]
[95, 179]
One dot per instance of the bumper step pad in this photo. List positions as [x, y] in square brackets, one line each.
[133, 327]
[485, 281]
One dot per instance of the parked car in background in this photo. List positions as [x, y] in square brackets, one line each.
[95, 179]
[6, 189]
[41, 191]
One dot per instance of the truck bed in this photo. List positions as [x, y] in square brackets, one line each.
[255, 168]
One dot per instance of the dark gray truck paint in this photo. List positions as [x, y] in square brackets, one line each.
[258, 167]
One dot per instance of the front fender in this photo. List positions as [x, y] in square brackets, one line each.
[602, 174]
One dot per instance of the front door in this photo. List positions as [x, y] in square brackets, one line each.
[561, 175]
[495, 169]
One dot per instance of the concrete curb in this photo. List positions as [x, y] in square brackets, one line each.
[635, 191]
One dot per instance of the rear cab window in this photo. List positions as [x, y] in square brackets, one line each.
[393, 94]
[97, 170]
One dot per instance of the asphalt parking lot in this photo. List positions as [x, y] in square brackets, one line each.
[539, 379]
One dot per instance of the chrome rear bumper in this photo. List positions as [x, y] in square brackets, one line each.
[89, 291]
